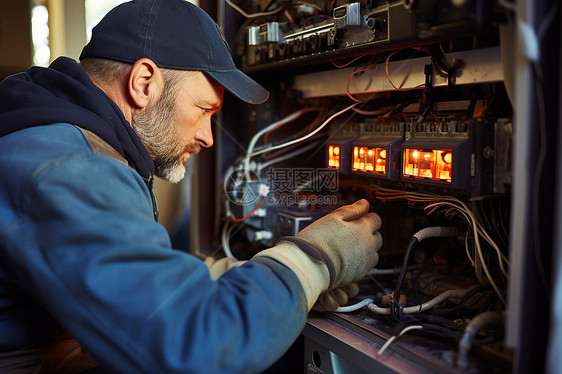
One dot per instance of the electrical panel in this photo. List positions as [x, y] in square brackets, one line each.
[430, 150]
[452, 155]
[304, 31]
[376, 153]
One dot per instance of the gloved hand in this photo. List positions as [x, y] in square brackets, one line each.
[336, 250]
[220, 266]
[331, 300]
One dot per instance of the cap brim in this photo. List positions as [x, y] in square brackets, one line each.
[240, 85]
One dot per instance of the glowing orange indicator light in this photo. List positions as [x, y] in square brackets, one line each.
[430, 164]
[334, 153]
[369, 160]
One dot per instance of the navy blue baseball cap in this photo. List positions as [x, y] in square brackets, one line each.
[175, 34]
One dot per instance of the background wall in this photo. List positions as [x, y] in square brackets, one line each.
[15, 36]
[69, 28]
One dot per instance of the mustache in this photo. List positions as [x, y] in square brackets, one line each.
[193, 148]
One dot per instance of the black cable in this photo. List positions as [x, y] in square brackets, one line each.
[428, 92]
[432, 329]
[472, 292]
[440, 64]
[395, 308]
[442, 331]
[440, 320]
[414, 286]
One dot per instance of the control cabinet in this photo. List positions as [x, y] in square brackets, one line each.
[411, 105]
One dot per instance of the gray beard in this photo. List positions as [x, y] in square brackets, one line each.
[156, 128]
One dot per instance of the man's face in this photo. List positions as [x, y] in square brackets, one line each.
[179, 124]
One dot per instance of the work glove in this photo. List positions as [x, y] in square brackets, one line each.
[220, 266]
[332, 252]
[331, 300]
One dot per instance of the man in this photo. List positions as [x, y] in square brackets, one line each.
[82, 255]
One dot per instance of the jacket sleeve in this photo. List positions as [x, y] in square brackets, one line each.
[87, 249]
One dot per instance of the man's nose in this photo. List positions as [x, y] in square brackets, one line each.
[204, 135]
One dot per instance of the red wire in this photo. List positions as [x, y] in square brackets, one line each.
[318, 116]
[249, 214]
[339, 66]
[347, 84]
[388, 75]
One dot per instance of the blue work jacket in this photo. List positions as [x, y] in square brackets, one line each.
[80, 251]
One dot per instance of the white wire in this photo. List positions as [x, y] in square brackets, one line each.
[225, 238]
[467, 250]
[490, 241]
[482, 231]
[250, 152]
[394, 337]
[294, 141]
[469, 216]
[354, 307]
[494, 245]
[286, 156]
[478, 228]
[274, 125]
[466, 217]
[255, 15]
[257, 136]
[420, 307]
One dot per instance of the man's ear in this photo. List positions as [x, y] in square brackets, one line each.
[146, 82]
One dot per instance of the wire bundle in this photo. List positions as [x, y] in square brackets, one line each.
[452, 205]
[239, 173]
